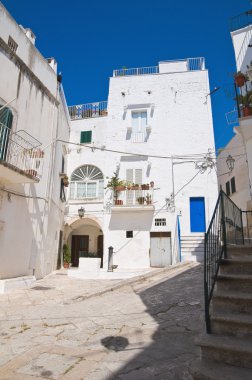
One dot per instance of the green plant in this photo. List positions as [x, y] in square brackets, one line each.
[66, 254]
[114, 182]
[245, 100]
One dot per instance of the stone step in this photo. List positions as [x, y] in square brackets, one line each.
[227, 349]
[191, 249]
[236, 266]
[232, 302]
[239, 325]
[234, 282]
[208, 370]
[238, 251]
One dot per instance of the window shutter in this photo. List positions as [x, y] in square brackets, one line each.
[138, 176]
[129, 175]
[228, 188]
[233, 187]
[6, 117]
[86, 137]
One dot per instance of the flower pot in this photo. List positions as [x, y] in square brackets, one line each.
[145, 187]
[246, 111]
[140, 200]
[118, 202]
[120, 188]
[66, 265]
[240, 80]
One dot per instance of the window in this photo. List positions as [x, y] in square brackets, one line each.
[134, 176]
[12, 44]
[129, 234]
[228, 188]
[86, 182]
[139, 124]
[233, 187]
[160, 222]
[86, 137]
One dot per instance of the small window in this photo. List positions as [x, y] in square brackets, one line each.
[160, 222]
[129, 234]
[228, 188]
[233, 188]
[86, 137]
[12, 44]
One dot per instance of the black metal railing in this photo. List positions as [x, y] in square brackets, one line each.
[225, 228]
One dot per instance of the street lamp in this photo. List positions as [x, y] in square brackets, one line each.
[81, 212]
[230, 162]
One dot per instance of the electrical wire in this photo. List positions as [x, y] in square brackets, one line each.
[22, 195]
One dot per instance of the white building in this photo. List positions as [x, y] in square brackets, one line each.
[33, 114]
[156, 129]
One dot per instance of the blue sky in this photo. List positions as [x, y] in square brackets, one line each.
[91, 38]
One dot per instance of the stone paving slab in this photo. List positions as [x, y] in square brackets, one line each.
[142, 329]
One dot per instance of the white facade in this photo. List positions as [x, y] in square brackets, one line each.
[158, 124]
[31, 211]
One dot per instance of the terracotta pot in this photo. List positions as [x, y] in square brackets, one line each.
[246, 111]
[66, 265]
[145, 187]
[120, 188]
[118, 202]
[240, 80]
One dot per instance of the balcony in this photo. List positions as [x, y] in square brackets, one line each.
[188, 64]
[20, 157]
[240, 21]
[136, 198]
[88, 110]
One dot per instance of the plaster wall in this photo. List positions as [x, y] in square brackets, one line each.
[31, 226]
[235, 148]
[179, 116]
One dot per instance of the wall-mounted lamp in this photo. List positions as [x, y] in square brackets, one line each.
[230, 162]
[123, 93]
[81, 212]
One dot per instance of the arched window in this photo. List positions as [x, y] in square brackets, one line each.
[86, 182]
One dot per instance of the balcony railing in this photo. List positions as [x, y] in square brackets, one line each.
[130, 197]
[88, 110]
[192, 64]
[240, 21]
[136, 71]
[20, 152]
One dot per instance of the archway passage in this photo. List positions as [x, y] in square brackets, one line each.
[86, 240]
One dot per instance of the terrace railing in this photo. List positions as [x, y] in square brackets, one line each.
[21, 151]
[131, 197]
[88, 110]
[225, 228]
[192, 64]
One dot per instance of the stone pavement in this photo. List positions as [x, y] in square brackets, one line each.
[73, 329]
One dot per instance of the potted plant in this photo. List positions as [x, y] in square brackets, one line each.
[141, 200]
[245, 104]
[65, 181]
[145, 186]
[116, 184]
[66, 255]
[148, 199]
[240, 79]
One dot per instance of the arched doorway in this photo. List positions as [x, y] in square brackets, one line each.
[85, 240]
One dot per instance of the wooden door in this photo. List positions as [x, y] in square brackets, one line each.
[80, 247]
[160, 249]
[100, 248]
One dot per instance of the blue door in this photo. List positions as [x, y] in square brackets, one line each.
[197, 214]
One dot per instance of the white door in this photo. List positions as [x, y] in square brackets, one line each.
[160, 250]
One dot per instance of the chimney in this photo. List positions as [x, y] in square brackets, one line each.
[53, 63]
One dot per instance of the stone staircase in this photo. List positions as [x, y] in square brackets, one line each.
[226, 354]
[192, 247]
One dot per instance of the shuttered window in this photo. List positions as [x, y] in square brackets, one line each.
[86, 137]
[5, 121]
[233, 187]
[134, 176]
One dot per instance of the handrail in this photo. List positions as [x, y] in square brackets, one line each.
[225, 228]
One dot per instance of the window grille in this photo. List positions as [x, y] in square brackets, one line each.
[12, 44]
[160, 222]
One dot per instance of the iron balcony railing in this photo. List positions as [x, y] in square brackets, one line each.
[88, 110]
[225, 228]
[134, 197]
[21, 151]
[192, 64]
[241, 21]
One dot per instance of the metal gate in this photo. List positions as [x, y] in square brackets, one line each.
[160, 249]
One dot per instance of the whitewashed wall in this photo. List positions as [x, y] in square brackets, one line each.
[30, 226]
[179, 114]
